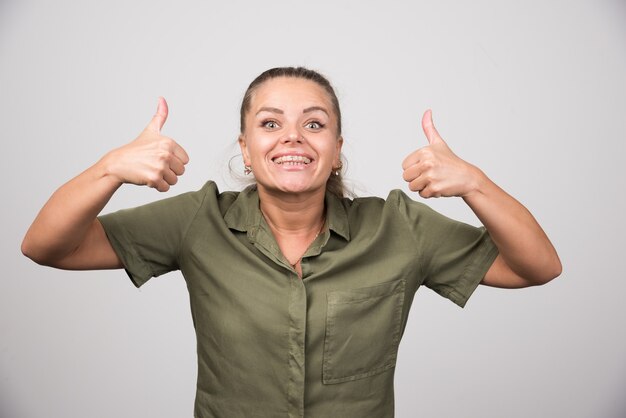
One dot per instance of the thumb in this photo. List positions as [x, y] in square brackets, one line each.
[429, 128]
[159, 118]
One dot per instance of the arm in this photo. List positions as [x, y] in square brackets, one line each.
[66, 234]
[527, 257]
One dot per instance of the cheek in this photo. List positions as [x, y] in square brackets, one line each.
[259, 147]
[334, 147]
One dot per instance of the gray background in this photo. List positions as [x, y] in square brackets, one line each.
[532, 92]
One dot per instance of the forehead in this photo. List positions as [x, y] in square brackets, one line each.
[290, 91]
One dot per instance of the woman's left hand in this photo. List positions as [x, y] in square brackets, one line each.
[527, 257]
[435, 171]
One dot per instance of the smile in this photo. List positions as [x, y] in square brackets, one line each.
[292, 160]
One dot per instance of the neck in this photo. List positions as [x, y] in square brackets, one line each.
[291, 213]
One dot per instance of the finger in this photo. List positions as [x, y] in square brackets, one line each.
[428, 192]
[160, 184]
[429, 128]
[177, 166]
[418, 184]
[159, 179]
[180, 153]
[170, 177]
[412, 158]
[159, 118]
[411, 173]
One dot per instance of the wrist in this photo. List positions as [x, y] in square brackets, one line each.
[478, 183]
[106, 170]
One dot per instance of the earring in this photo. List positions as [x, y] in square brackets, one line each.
[337, 169]
[247, 169]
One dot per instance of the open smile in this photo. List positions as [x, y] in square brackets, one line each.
[292, 160]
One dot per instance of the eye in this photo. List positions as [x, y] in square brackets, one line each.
[269, 124]
[314, 125]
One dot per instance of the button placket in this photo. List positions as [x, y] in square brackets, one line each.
[297, 333]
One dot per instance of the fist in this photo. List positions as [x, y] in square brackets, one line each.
[151, 159]
[434, 170]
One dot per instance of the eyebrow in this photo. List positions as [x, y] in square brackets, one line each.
[279, 111]
[314, 108]
[270, 109]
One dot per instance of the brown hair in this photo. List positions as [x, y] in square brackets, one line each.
[335, 182]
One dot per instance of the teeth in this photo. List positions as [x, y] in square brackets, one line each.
[296, 159]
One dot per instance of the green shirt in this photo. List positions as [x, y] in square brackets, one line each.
[273, 345]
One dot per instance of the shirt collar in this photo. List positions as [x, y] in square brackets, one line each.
[244, 214]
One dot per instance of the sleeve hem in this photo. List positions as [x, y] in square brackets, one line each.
[138, 271]
[474, 272]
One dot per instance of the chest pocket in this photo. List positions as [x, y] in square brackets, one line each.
[362, 331]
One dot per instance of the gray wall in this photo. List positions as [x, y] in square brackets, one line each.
[532, 92]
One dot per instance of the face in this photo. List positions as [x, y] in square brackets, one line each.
[290, 138]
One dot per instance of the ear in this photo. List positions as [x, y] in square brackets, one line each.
[244, 149]
[338, 146]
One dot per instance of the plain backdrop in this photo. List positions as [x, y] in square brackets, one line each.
[532, 92]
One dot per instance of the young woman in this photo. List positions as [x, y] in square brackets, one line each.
[299, 295]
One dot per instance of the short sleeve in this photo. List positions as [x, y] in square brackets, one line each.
[454, 256]
[147, 239]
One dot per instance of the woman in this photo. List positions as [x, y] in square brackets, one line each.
[299, 296]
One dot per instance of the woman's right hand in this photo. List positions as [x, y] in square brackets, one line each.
[66, 233]
[151, 159]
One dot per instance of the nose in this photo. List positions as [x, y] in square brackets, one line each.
[293, 136]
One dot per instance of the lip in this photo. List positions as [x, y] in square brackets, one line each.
[292, 154]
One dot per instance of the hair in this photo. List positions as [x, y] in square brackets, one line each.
[335, 182]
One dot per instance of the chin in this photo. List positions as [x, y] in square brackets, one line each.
[294, 187]
[292, 183]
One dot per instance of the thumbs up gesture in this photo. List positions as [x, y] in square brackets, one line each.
[151, 159]
[435, 171]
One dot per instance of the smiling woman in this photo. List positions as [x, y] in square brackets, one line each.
[290, 141]
[330, 107]
[299, 295]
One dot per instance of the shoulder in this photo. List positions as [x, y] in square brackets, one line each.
[396, 202]
[207, 198]
[212, 198]
[395, 214]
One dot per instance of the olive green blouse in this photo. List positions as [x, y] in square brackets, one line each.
[273, 345]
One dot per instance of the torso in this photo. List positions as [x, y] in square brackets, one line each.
[293, 249]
